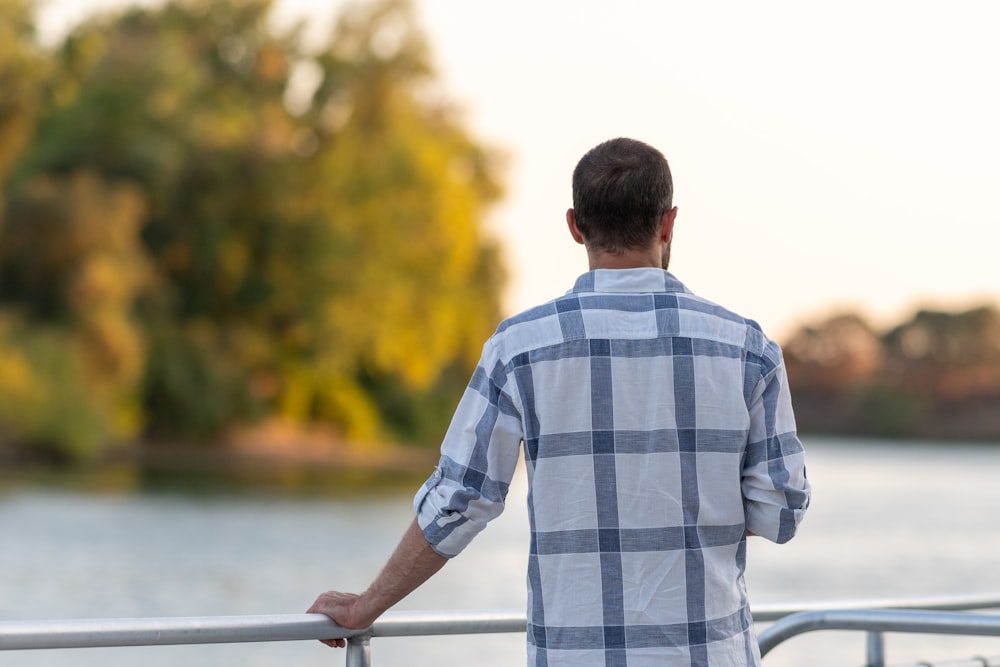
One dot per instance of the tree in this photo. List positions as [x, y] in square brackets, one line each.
[832, 355]
[73, 244]
[316, 256]
[398, 182]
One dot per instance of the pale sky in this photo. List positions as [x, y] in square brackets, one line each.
[825, 155]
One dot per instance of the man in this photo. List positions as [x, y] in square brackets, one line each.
[658, 434]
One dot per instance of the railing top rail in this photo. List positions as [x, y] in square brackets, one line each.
[90, 633]
[772, 612]
[98, 632]
[413, 623]
[105, 632]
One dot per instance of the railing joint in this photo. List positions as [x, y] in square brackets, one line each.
[359, 653]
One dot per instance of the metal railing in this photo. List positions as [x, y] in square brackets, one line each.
[875, 617]
[876, 622]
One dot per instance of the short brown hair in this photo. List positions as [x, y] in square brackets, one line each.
[621, 189]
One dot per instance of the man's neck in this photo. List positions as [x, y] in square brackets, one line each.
[630, 259]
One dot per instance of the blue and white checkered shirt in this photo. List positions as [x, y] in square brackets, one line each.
[657, 431]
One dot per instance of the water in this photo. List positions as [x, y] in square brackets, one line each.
[887, 521]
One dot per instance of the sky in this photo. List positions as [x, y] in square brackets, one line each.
[827, 157]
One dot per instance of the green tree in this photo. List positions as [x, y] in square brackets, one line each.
[72, 243]
[309, 253]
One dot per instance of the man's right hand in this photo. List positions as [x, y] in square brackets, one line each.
[344, 609]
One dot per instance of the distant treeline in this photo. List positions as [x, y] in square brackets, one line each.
[936, 375]
[204, 226]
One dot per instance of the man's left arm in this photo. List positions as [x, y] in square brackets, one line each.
[775, 487]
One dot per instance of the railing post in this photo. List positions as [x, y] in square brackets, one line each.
[359, 651]
[875, 642]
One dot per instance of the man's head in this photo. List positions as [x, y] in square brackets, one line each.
[622, 189]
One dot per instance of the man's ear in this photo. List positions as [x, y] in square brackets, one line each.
[667, 225]
[574, 231]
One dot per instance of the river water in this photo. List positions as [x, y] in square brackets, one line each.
[888, 520]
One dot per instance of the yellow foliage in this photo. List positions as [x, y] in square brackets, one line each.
[22, 390]
[344, 403]
[317, 394]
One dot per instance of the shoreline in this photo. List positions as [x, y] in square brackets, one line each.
[233, 470]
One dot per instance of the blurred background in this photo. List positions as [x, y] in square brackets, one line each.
[250, 250]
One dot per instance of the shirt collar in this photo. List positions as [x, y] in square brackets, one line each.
[628, 281]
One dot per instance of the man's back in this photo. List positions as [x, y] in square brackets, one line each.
[647, 414]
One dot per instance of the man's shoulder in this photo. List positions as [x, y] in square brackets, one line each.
[709, 312]
[529, 329]
[530, 316]
[587, 311]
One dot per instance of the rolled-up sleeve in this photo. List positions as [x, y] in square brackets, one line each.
[478, 460]
[775, 487]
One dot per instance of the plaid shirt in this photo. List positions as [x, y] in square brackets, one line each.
[657, 430]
